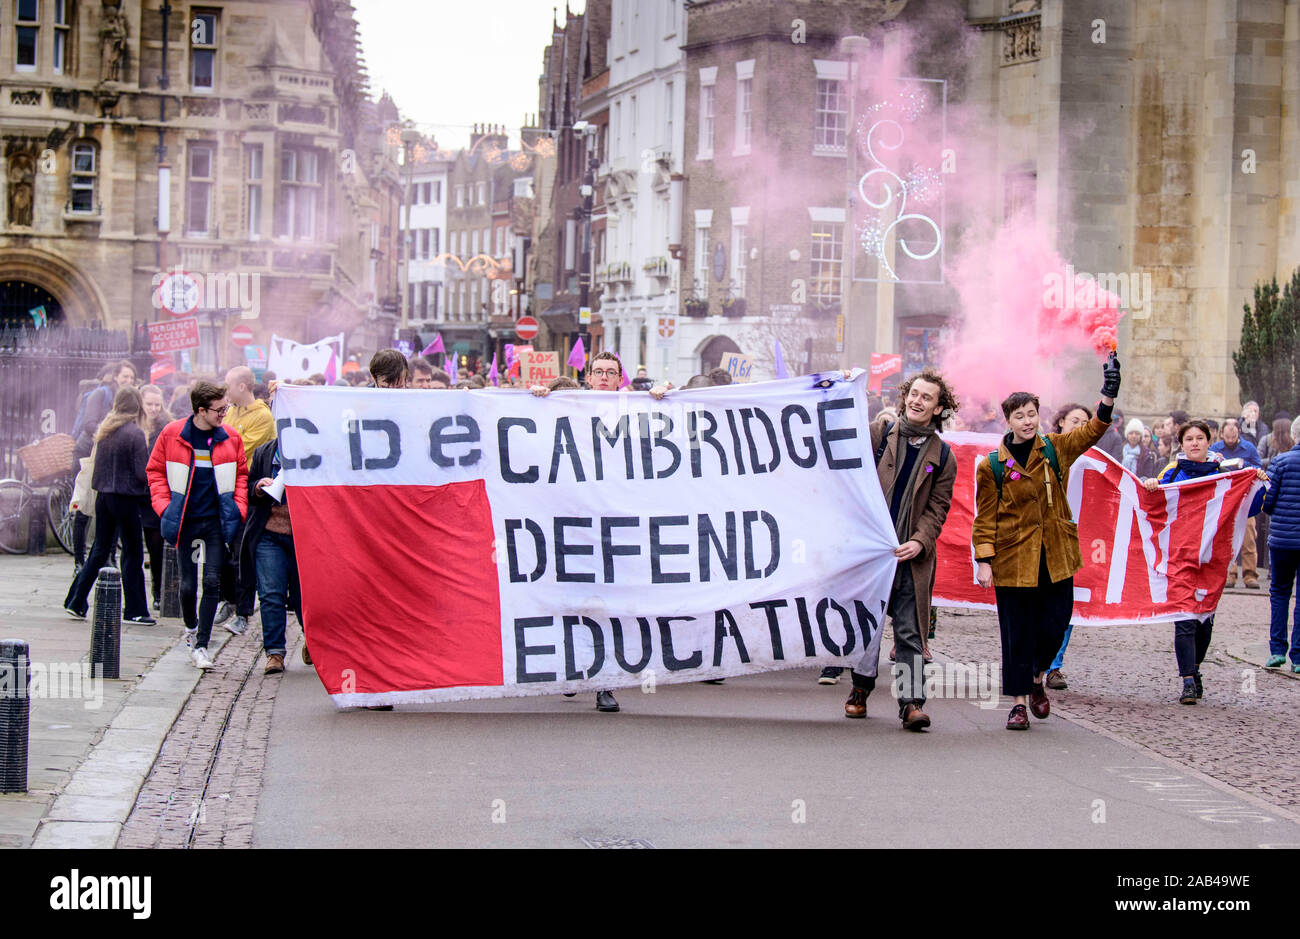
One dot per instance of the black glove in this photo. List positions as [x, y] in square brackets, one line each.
[1110, 377]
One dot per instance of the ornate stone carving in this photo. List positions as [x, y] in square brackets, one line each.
[302, 114]
[22, 179]
[30, 97]
[112, 41]
[1020, 41]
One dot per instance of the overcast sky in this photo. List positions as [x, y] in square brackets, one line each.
[450, 64]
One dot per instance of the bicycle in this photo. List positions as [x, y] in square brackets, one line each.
[48, 462]
[15, 515]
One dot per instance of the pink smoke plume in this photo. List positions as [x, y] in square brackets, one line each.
[1026, 317]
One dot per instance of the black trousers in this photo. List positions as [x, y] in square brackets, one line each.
[1032, 621]
[239, 592]
[114, 515]
[1191, 642]
[201, 544]
[154, 544]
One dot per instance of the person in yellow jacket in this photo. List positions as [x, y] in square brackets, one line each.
[1027, 543]
[251, 418]
[248, 415]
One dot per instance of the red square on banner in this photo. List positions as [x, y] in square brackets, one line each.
[399, 586]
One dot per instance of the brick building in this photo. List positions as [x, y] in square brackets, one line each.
[279, 167]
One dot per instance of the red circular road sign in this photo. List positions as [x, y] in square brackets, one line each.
[526, 327]
[241, 335]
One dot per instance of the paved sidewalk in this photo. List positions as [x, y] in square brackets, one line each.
[1124, 682]
[92, 744]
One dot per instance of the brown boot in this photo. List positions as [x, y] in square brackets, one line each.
[1039, 706]
[274, 665]
[914, 718]
[856, 706]
[1056, 680]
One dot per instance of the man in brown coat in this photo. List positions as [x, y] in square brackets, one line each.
[1026, 542]
[916, 471]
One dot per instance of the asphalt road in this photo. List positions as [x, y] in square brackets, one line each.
[762, 761]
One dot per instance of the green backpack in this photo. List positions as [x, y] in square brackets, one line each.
[999, 468]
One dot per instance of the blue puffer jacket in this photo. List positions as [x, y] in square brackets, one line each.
[1283, 500]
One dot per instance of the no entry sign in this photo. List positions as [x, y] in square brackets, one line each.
[241, 335]
[526, 328]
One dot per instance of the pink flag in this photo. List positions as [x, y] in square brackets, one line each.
[578, 357]
[435, 346]
[511, 356]
[496, 382]
[626, 381]
[332, 369]
[449, 366]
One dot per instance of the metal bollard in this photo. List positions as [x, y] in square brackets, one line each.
[15, 714]
[37, 522]
[171, 583]
[106, 628]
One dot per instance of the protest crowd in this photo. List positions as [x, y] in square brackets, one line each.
[196, 463]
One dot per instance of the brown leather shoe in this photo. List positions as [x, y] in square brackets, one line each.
[1056, 680]
[1039, 706]
[1230, 583]
[1018, 719]
[856, 706]
[914, 718]
[274, 665]
[1252, 584]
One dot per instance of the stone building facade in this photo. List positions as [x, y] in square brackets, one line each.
[1152, 139]
[283, 182]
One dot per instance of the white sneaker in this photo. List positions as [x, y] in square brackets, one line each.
[190, 635]
[238, 625]
[201, 659]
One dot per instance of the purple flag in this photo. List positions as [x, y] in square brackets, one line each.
[781, 371]
[435, 346]
[511, 357]
[626, 381]
[496, 383]
[449, 366]
[578, 357]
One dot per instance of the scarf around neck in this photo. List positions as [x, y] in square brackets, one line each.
[919, 437]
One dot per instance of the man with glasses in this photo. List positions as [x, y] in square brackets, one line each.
[604, 373]
[198, 483]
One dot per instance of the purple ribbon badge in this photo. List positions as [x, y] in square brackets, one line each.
[1015, 475]
[929, 468]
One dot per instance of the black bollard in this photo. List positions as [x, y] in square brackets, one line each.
[106, 624]
[15, 714]
[171, 583]
[37, 522]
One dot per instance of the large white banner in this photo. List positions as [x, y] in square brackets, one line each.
[468, 544]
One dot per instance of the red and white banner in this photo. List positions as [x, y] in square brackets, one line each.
[1147, 556]
[480, 544]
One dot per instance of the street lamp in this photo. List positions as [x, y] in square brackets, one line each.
[853, 47]
[410, 137]
[586, 131]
